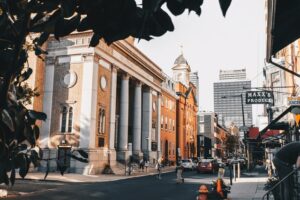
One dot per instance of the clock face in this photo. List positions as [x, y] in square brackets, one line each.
[69, 79]
[103, 83]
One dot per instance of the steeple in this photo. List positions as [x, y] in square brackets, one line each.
[181, 69]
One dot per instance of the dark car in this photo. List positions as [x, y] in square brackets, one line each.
[208, 165]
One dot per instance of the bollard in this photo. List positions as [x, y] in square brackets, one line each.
[239, 170]
[203, 192]
[234, 171]
[230, 173]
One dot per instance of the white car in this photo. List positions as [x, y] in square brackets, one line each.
[188, 164]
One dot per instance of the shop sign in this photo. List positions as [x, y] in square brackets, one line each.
[259, 97]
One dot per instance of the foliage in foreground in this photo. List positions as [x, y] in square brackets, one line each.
[110, 20]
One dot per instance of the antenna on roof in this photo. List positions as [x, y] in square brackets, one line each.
[181, 49]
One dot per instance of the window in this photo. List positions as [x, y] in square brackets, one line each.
[162, 122]
[201, 128]
[101, 121]
[170, 124]
[66, 119]
[63, 119]
[70, 121]
[201, 118]
[173, 125]
[166, 121]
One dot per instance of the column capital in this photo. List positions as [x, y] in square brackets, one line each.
[114, 68]
[125, 76]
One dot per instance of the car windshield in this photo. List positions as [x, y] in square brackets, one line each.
[184, 161]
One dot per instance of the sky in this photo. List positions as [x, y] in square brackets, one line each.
[211, 42]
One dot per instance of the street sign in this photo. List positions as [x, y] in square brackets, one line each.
[259, 97]
[294, 101]
[244, 128]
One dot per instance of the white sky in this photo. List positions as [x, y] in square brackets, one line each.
[212, 42]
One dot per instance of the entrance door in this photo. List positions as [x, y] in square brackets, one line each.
[166, 157]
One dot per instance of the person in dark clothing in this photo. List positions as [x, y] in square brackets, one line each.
[284, 160]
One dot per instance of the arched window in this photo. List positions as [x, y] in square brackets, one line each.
[101, 121]
[70, 120]
[63, 119]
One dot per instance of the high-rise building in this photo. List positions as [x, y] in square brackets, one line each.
[194, 78]
[227, 98]
[237, 74]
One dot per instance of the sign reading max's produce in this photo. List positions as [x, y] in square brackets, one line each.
[259, 97]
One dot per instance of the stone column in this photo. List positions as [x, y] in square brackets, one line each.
[158, 107]
[112, 120]
[147, 120]
[137, 119]
[47, 102]
[124, 106]
[88, 103]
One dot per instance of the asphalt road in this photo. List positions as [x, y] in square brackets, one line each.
[142, 188]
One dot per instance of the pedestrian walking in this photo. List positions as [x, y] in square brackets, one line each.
[179, 171]
[158, 168]
[142, 164]
[283, 161]
[147, 163]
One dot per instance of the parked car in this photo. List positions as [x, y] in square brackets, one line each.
[188, 164]
[208, 165]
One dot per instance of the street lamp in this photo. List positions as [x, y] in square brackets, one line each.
[244, 125]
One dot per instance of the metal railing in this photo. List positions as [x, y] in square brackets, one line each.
[275, 192]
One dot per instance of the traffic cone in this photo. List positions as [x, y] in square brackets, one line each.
[203, 191]
[219, 187]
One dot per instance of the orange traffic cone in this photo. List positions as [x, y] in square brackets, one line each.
[203, 191]
[219, 187]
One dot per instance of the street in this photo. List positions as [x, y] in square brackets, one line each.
[146, 188]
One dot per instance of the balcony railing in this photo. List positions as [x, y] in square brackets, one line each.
[275, 192]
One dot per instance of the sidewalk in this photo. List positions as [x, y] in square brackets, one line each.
[249, 187]
[72, 177]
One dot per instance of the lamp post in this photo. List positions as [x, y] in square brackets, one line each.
[244, 125]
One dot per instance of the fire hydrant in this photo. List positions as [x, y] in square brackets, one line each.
[203, 192]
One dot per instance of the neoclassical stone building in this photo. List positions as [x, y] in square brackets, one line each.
[105, 100]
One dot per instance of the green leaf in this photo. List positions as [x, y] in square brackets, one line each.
[84, 25]
[12, 176]
[37, 115]
[79, 159]
[36, 131]
[68, 7]
[95, 40]
[224, 4]
[176, 6]
[24, 76]
[7, 120]
[46, 24]
[82, 153]
[42, 39]
[152, 5]
[64, 27]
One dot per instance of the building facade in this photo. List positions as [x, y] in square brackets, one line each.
[105, 100]
[168, 121]
[187, 108]
[205, 135]
[227, 100]
[194, 78]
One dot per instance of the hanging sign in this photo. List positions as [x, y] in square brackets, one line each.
[259, 97]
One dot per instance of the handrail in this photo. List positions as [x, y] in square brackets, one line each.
[287, 176]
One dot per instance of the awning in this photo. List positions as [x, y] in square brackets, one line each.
[283, 24]
[273, 124]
